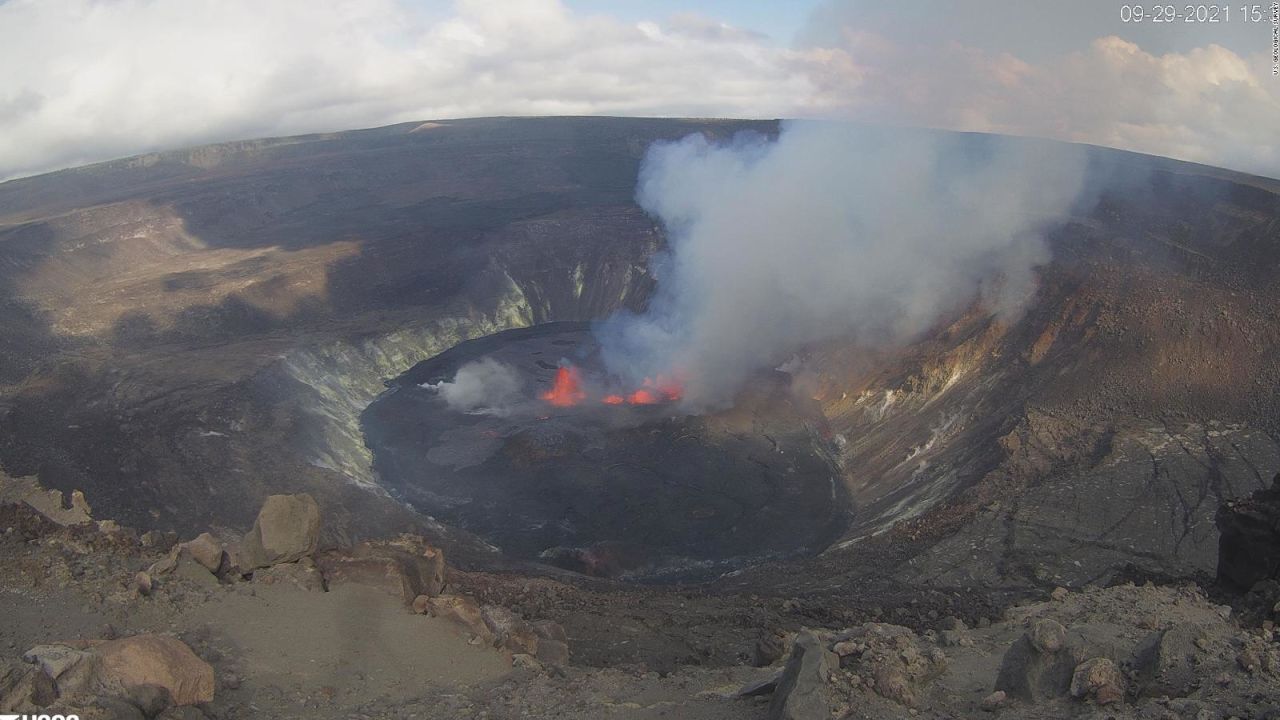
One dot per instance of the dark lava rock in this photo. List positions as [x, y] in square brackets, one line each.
[801, 693]
[1249, 548]
[1168, 662]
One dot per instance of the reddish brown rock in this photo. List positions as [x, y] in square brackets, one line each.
[1098, 679]
[156, 660]
[461, 611]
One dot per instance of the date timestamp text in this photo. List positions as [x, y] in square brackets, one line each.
[1191, 13]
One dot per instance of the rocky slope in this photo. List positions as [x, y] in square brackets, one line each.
[116, 625]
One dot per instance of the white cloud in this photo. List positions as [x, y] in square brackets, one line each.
[1208, 104]
[89, 80]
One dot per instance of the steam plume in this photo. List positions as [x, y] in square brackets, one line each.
[831, 231]
[482, 387]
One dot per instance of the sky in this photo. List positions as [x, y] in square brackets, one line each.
[91, 80]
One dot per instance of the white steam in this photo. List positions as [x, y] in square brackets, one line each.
[831, 231]
[485, 387]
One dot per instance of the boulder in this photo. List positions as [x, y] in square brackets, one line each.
[142, 583]
[802, 692]
[72, 670]
[1047, 635]
[1039, 665]
[509, 630]
[994, 701]
[1249, 541]
[157, 540]
[50, 504]
[1098, 679]
[287, 530]
[205, 550]
[302, 574]
[430, 560]
[389, 566]
[156, 660]
[1167, 662]
[461, 611]
[898, 666]
[23, 687]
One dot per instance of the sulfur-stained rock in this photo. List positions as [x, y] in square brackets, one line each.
[287, 529]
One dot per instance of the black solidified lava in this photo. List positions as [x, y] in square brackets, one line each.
[642, 492]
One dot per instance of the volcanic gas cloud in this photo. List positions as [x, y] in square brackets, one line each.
[830, 231]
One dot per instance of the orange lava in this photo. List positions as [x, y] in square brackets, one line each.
[643, 397]
[566, 390]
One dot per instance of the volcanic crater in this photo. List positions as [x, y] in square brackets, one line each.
[189, 332]
[608, 482]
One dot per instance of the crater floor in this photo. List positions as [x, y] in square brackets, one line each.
[613, 490]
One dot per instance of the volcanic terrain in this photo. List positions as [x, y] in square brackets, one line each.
[183, 334]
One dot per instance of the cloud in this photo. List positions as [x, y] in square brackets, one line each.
[1208, 104]
[832, 231]
[90, 80]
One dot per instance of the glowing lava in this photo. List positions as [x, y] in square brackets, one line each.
[566, 390]
[643, 397]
